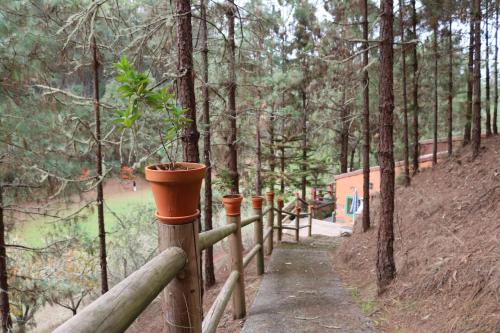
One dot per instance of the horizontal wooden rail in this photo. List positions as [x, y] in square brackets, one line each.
[215, 313]
[211, 237]
[303, 201]
[249, 220]
[285, 212]
[119, 307]
[249, 256]
[292, 228]
[254, 218]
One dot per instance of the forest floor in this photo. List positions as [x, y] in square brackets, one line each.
[447, 250]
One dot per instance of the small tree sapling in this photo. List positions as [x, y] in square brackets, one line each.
[140, 96]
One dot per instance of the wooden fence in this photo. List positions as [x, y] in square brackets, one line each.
[175, 271]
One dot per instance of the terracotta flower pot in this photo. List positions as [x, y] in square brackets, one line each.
[280, 202]
[270, 197]
[232, 204]
[257, 202]
[176, 192]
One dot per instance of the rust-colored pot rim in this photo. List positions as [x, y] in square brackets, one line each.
[177, 220]
[270, 196]
[190, 171]
[229, 197]
[232, 204]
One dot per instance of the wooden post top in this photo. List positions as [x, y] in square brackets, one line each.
[232, 204]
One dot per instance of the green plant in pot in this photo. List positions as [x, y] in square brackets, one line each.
[175, 185]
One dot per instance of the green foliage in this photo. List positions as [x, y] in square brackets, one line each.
[134, 89]
[223, 181]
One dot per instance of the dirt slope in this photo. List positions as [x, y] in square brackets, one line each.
[447, 249]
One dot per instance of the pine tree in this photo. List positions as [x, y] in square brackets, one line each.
[470, 81]
[476, 110]
[209, 252]
[406, 149]
[450, 87]
[366, 122]
[231, 111]
[487, 123]
[416, 136]
[386, 269]
[495, 99]
[185, 80]
[99, 173]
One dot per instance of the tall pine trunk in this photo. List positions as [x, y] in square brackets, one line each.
[258, 180]
[272, 119]
[100, 192]
[4, 285]
[470, 81]
[185, 85]
[272, 154]
[185, 80]
[231, 142]
[495, 100]
[406, 149]
[282, 164]
[304, 145]
[450, 89]
[435, 101]
[353, 153]
[476, 110]
[344, 135]
[209, 252]
[487, 123]
[416, 146]
[366, 123]
[386, 268]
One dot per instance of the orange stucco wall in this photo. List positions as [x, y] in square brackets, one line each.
[347, 182]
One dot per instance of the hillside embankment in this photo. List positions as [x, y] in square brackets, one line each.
[447, 250]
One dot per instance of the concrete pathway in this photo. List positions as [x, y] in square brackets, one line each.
[300, 292]
[320, 227]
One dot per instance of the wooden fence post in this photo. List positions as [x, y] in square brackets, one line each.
[181, 299]
[297, 223]
[280, 218]
[297, 217]
[259, 232]
[232, 204]
[270, 222]
[311, 212]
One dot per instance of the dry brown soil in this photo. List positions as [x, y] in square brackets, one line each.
[447, 250]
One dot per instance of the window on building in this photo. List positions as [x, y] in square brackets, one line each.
[348, 205]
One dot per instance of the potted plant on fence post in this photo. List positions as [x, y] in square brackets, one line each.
[175, 185]
[176, 191]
